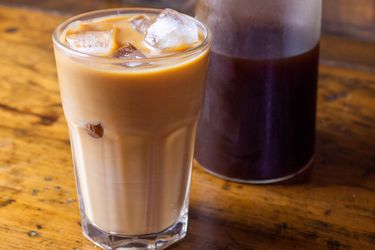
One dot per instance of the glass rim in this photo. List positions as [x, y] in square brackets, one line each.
[94, 14]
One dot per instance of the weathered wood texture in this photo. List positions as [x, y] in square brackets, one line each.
[335, 209]
[351, 18]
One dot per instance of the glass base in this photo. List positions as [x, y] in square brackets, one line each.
[264, 181]
[159, 240]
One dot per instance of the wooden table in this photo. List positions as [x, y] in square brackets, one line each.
[333, 209]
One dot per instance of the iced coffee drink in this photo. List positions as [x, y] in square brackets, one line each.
[132, 84]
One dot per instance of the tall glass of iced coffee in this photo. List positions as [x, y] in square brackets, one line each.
[132, 84]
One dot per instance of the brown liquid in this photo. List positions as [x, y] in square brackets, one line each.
[258, 121]
[132, 132]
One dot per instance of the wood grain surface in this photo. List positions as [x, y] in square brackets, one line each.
[332, 209]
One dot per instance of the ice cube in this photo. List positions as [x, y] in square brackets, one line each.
[129, 52]
[140, 23]
[171, 29]
[93, 42]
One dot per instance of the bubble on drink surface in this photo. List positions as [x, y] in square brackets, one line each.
[129, 51]
[140, 23]
[95, 130]
[171, 29]
[92, 40]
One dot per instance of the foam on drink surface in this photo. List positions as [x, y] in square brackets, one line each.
[146, 35]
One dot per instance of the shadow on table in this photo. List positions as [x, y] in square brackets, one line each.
[345, 159]
[341, 159]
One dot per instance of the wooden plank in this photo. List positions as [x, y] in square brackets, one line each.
[335, 209]
[347, 53]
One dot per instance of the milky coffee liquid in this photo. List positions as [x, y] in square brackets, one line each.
[132, 129]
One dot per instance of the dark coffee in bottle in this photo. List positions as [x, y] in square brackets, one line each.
[258, 122]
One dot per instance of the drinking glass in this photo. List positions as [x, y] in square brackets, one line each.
[132, 132]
